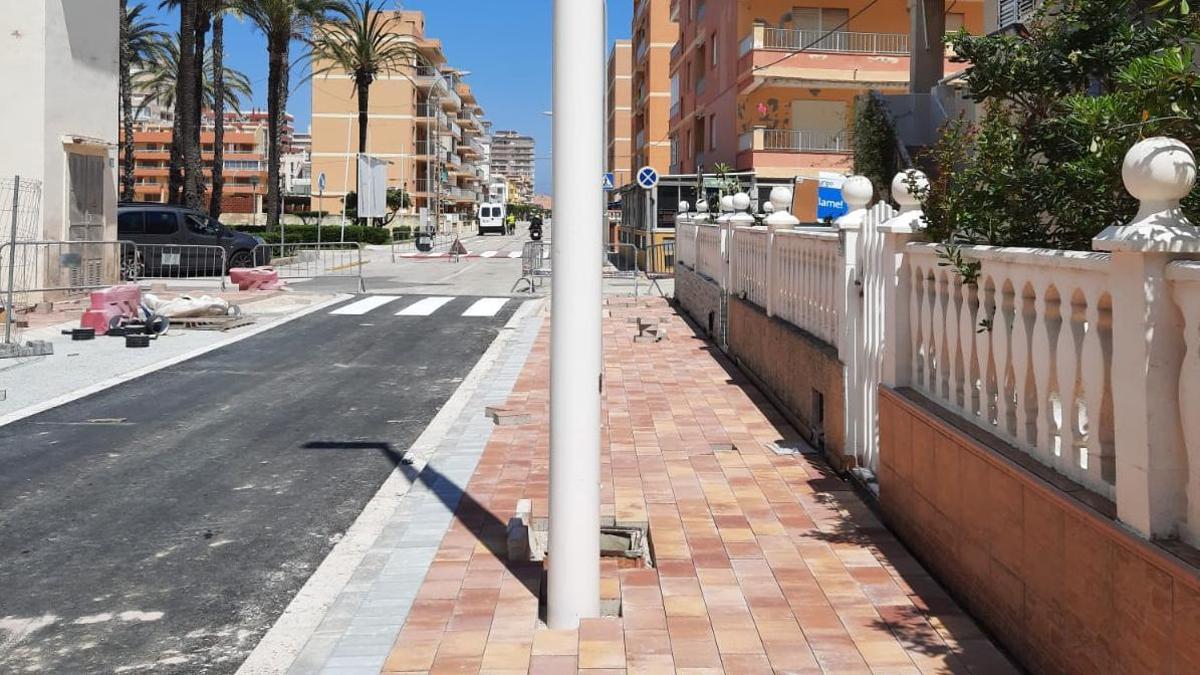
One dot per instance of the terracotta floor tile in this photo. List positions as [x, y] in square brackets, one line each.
[552, 665]
[555, 643]
[507, 655]
[411, 655]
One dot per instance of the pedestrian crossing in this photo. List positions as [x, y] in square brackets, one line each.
[484, 255]
[423, 306]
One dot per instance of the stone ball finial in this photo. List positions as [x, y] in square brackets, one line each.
[727, 203]
[857, 191]
[768, 208]
[901, 191]
[684, 206]
[741, 201]
[702, 206]
[781, 198]
[1159, 169]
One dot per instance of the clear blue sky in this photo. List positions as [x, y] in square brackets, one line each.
[505, 45]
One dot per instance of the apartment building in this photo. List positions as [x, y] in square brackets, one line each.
[769, 85]
[620, 112]
[655, 34]
[424, 120]
[244, 161]
[513, 157]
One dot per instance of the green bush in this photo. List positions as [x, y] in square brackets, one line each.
[874, 145]
[1062, 106]
[308, 233]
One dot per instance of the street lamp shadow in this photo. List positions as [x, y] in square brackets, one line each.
[479, 521]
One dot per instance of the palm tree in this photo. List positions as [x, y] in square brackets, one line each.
[363, 45]
[141, 44]
[160, 81]
[280, 21]
[186, 140]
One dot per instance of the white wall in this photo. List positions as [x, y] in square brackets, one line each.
[61, 70]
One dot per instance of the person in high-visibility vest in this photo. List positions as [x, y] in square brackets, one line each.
[512, 223]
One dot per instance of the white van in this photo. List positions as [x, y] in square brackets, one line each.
[491, 218]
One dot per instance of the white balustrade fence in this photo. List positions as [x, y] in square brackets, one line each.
[807, 268]
[685, 242]
[750, 264]
[1030, 346]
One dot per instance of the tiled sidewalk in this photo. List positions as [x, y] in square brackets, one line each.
[765, 563]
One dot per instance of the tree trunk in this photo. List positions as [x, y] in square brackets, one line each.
[277, 90]
[218, 161]
[175, 181]
[185, 107]
[363, 85]
[127, 159]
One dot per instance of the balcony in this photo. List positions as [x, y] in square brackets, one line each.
[778, 153]
[815, 59]
[795, 140]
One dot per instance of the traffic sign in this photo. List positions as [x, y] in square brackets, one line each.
[610, 182]
[321, 182]
[647, 177]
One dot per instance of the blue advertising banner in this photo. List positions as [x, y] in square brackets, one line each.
[829, 196]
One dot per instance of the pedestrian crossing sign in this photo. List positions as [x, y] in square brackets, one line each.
[610, 182]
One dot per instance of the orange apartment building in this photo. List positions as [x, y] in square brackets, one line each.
[655, 33]
[620, 112]
[769, 85]
[245, 159]
[424, 120]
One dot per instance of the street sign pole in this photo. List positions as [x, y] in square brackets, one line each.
[573, 591]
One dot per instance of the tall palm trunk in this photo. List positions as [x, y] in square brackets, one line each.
[218, 162]
[127, 158]
[203, 22]
[185, 105]
[363, 84]
[277, 91]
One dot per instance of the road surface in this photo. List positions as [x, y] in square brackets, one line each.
[165, 523]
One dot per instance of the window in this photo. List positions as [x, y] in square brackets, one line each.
[86, 181]
[712, 132]
[954, 22]
[130, 223]
[161, 222]
[713, 49]
[700, 137]
[202, 224]
[823, 19]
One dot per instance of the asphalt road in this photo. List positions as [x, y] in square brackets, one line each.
[165, 523]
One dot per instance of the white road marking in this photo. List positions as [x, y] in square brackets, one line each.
[365, 305]
[514, 254]
[424, 307]
[485, 307]
[487, 254]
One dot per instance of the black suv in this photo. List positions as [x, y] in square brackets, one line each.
[165, 234]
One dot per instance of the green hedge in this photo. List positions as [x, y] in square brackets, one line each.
[308, 233]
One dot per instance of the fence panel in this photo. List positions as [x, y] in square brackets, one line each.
[750, 264]
[310, 260]
[142, 262]
[659, 260]
[619, 261]
[33, 271]
[685, 236]
[808, 268]
[708, 251]
[1026, 352]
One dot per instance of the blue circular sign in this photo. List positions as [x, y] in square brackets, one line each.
[647, 177]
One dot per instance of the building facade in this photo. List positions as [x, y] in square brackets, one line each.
[620, 112]
[59, 58]
[424, 120]
[769, 86]
[655, 34]
[513, 157]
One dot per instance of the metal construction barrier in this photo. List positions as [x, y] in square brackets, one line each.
[658, 262]
[535, 264]
[34, 271]
[311, 260]
[142, 262]
[620, 262]
[443, 240]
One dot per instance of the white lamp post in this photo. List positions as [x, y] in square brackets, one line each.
[575, 332]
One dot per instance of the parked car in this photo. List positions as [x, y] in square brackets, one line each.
[176, 241]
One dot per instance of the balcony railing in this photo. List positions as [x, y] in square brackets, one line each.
[795, 140]
[821, 41]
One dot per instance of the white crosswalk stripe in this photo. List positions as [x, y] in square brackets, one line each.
[424, 307]
[485, 307]
[365, 305]
[487, 254]
[514, 254]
